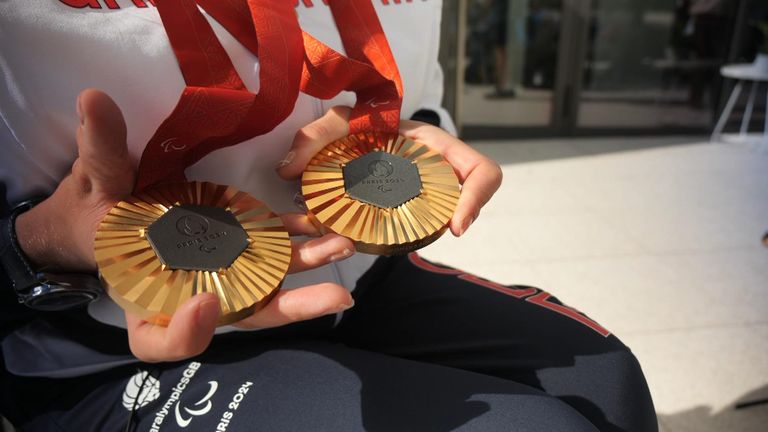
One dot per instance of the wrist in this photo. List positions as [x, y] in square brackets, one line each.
[39, 239]
[30, 234]
[28, 255]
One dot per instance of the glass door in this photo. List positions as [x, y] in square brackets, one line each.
[510, 64]
[530, 68]
[654, 64]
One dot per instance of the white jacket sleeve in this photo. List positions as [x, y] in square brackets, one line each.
[433, 98]
[433, 80]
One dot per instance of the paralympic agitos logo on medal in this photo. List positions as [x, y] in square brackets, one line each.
[192, 225]
[381, 170]
[197, 226]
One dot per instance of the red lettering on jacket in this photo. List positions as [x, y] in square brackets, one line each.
[111, 4]
[310, 3]
[93, 4]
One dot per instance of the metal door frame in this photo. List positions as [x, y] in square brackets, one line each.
[566, 95]
[569, 73]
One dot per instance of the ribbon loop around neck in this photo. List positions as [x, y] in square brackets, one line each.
[369, 69]
[215, 109]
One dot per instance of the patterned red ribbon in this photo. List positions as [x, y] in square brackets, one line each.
[369, 70]
[215, 109]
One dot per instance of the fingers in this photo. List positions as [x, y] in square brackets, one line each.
[313, 253]
[188, 334]
[311, 139]
[298, 224]
[306, 255]
[104, 164]
[300, 304]
[476, 191]
[480, 176]
[459, 154]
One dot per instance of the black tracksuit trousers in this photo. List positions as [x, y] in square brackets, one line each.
[426, 348]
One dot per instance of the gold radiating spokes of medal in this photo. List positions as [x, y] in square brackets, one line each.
[139, 282]
[420, 218]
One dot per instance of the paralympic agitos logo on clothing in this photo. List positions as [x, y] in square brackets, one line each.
[184, 413]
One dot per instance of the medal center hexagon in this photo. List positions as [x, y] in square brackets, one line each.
[382, 179]
[197, 237]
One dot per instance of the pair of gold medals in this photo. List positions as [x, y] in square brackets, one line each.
[161, 246]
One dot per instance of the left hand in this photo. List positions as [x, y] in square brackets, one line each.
[480, 176]
[192, 325]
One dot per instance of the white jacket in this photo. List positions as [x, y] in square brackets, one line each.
[50, 50]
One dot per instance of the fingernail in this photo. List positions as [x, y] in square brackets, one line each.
[298, 200]
[207, 314]
[344, 307]
[465, 226]
[286, 160]
[79, 110]
[341, 255]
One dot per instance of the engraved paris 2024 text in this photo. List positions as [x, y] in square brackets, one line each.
[202, 240]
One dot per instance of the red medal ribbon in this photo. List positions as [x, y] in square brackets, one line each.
[215, 109]
[369, 69]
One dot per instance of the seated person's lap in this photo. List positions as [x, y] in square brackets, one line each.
[408, 307]
[517, 360]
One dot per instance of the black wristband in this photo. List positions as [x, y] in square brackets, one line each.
[427, 116]
[15, 264]
[38, 290]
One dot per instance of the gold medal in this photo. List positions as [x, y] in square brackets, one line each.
[389, 194]
[169, 242]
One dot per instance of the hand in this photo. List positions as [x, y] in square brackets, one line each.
[479, 175]
[191, 328]
[59, 233]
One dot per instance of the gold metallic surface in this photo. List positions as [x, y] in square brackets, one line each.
[138, 281]
[376, 230]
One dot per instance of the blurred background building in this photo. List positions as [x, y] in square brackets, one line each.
[555, 68]
[615, 197]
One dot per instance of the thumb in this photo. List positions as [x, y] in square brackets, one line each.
[188, 334]
[311, 139]
[104, 163]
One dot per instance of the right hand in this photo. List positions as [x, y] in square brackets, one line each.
[58, 234]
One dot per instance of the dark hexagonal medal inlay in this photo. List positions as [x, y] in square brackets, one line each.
[382, 179]
[197, 237]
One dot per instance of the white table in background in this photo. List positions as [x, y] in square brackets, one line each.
[745, 72]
